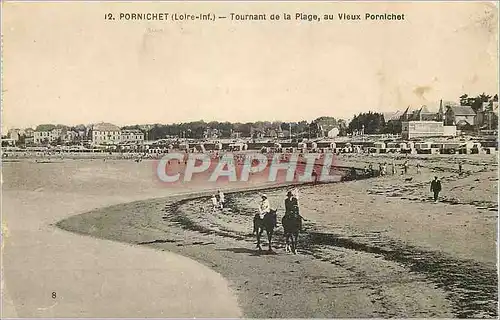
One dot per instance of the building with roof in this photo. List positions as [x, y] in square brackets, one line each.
[461, 116]
[47, 135]
[106, 133]
[422, 129]
[134, 136]
[421, 114]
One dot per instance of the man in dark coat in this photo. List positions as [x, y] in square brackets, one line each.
[436, 188]
[292, 207]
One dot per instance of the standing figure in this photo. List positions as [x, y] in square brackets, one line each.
[460, 168]
[405, 166]
[418, 167]
[215, 204]
[315, 176]
[221, 200]
[436, 188]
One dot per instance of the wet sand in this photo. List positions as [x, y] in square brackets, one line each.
[92, 277]
[370, 248]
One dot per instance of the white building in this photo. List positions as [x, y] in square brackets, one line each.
[420, 129]
[132, 136]
[105, 133]
[46, 136]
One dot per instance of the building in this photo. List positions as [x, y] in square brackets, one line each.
[461, 116]
[420, 129]
[42, 136]
[71, 136]
[487, 116]
[421, 114]
[29, 133]
[106, 133]
[134, 136]
[236, 134]
[210, 133]
[14, 134]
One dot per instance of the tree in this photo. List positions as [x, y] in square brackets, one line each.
[22, 140]
[342, 127]
[371, 123]
[45, 127]
[476, 102]
[393, 127]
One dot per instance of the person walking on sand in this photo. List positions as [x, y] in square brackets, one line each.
[393, 167]
[221, 200]
[418, 167]
[315, 176]
[405, 166]
[436, 188]
[215, 204]
[460, 168]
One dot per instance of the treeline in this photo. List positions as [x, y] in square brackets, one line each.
[477, 102]
[201, 129]
[367, 123]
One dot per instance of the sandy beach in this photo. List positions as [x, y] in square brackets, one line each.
[371, 248]
[93, 277]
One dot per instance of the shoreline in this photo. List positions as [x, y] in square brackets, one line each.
[168, 233]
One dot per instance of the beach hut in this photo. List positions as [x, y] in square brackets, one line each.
[301, 145]
[278, 147]
[423, 147]
[333, 147]
[450, 148]
[236, 147]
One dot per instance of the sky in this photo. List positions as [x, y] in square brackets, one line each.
[64, 63]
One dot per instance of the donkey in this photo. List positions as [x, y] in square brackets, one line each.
[268, 223]
[291, 227]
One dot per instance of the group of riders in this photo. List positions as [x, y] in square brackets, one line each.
[291, 206]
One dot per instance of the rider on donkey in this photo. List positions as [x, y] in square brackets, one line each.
[292, 207]
[264, 206]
